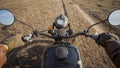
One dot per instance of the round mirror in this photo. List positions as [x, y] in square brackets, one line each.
[114, 17]
[6, 17]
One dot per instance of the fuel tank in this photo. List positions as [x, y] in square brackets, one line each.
[72, 60]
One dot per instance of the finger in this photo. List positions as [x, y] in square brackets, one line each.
[3, 47]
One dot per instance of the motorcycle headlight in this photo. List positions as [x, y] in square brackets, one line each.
[61, 21]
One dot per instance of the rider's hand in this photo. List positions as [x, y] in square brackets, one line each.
[3, 51]
[105, 38]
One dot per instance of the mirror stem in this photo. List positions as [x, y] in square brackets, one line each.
[24, 24]
[96, 24]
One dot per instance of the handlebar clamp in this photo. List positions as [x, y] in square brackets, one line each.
[27, 38]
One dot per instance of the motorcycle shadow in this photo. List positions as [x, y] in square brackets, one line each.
[27, 56]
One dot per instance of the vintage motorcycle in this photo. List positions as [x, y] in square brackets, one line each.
[60, 54]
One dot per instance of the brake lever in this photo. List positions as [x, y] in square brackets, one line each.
[94, 36]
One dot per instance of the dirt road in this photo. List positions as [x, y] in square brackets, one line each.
[99, 10]
[40, 14]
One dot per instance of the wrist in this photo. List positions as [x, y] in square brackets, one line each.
[111, 43]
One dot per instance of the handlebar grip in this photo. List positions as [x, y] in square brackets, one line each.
[27, 38]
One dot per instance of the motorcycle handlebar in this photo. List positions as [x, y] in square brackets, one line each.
[70, 36]
[30, 36]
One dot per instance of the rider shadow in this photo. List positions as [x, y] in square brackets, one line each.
[27, 56]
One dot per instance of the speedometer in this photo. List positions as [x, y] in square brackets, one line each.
[61, 21]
